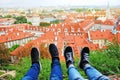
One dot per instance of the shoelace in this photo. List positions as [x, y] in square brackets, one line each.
[86, 56]
[69, 56]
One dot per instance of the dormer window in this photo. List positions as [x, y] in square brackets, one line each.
[65, 30]
[78, 29]
[53, 30]
[72, 29]
[59, 30]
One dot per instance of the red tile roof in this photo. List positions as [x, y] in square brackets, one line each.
[101, 34]
[75, 39]
[10, 36]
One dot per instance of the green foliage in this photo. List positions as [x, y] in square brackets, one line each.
[1, 16]
[8, 16]
[44, 24]
[79, 10]
[22, 12]
[56, 10]
[14, 47]
[1, 73]
[45, 72]
[113, 51]
[7, 77]
[56, 21]
[107, 61]
[20, 19]
[29, 23]
[25, 64]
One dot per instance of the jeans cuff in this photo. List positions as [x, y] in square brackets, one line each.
[86, 66]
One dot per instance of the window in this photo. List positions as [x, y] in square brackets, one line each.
[72, 29]
[78, 29]
[59, 30]
[65, 30]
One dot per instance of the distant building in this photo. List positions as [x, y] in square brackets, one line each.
[7, 21]
[48, 20]
[35, 20]
[18, 37]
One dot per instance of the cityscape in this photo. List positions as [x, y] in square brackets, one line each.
[71, 25]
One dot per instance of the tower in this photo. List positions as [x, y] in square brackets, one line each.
[116, 25]
[108, 12]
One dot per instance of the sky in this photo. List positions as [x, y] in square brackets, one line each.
[38, 3]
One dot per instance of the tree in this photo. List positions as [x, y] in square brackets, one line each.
[56, 21]
[29, 23]
[20, 19]
[14, 47]
[44, 24]
[8, 16]
[4, 55]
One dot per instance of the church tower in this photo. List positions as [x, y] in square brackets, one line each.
[108, 12]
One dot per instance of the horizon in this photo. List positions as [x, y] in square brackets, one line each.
[55, 3]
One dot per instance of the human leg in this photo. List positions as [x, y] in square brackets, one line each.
[73, 73]
[90, 71]
[56, 71]
[94, 74]
[34, 71]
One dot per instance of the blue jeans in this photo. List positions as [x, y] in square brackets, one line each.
[73, 73]
[32, 73]
[91, 72]
[56, 71]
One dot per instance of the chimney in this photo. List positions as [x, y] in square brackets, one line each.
[89, 38]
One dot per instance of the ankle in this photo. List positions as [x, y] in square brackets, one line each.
[55, 58]
[35, 63]
[69, 63]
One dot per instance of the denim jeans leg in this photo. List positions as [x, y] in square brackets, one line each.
[73, 73]
[32, 73]
[94, 74]
[56, 71]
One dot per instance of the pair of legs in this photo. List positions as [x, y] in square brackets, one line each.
[56, 72]
[90, 71]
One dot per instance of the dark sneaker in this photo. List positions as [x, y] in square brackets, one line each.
[68, 54]
[84, 57]
[35, 55]
[53, 51]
